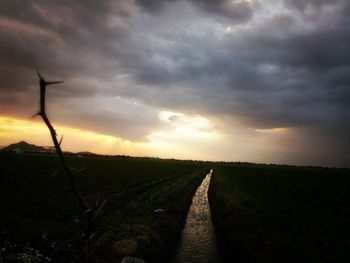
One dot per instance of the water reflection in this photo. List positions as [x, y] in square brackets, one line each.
[198, 241]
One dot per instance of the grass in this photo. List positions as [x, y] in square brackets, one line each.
[282, 214]
[36, 199]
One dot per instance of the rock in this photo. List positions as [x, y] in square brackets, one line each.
[132, 260]
[125, 247]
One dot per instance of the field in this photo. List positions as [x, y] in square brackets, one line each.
[37, 204]
[261, 213]
[281, 214]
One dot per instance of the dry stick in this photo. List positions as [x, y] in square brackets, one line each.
[92, 213]
[59, 152]
[42, 113]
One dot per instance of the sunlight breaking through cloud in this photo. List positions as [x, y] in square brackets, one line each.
[14, 130]
[180, 125]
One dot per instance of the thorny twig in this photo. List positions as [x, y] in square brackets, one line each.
[92, 212]
[42, 113]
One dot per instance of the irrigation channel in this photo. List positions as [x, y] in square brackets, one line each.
[198, 240]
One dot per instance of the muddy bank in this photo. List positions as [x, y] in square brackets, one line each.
[160, 239]
[217, 208]
[235, 244]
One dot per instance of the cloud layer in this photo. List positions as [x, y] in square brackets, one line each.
[246, 65]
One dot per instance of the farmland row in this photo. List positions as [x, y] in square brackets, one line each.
[281, 214]
[36, 200]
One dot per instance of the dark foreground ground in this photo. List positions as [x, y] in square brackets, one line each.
[41, 220]
[261, 213]
[281, 214]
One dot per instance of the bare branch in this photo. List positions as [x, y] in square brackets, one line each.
[37, 72]
[92, 213]
[53, 82]
[60, 142]
[42, 112]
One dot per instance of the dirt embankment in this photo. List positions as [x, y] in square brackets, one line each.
[158, 237]
[164, 233]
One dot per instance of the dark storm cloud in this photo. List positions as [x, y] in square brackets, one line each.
[302, 4]
[277, 74]
[264, 64]
[73, 41]
[237, 11]
[290, 71]
[132, 124]
[69, 38]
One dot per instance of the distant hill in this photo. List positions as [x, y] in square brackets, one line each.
[86, 153]
[23, 146]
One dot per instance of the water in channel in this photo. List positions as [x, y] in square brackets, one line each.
[198, 241]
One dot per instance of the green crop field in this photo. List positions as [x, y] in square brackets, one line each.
[37, 204]
[281, 214]
[261, 213]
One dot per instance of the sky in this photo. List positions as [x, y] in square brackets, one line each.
[263, 81]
